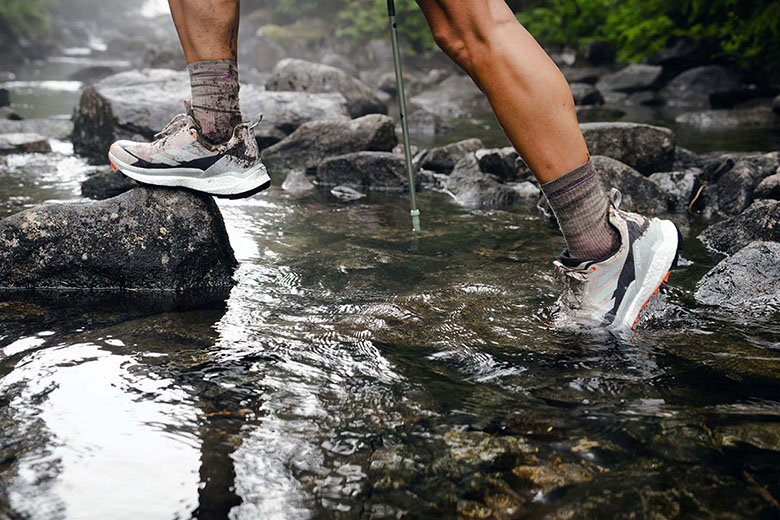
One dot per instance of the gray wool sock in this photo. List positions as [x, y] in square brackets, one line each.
[215, 106]
[582, 210]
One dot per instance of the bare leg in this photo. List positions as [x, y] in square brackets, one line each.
[529, 95]
[208, 29]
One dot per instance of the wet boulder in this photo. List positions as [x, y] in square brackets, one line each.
[679, 186]
[106, 183]
[121, 107]
[639, 193]
[632, 78]
[769, 188]
[694, 87]
[585, 94]
[23, 143]
[761, 221]
[305, 76]
[731, 193]
[750, 277]
[372, 170]
[455, 97]
[313, 142]
[475, 189]
[504, 163]
[729, 119]
[145, 239]
[645, 148]
[444, 158]
[716, 164]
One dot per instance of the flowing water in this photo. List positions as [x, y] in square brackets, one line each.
[357, 372]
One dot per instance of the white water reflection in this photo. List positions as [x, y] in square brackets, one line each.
[112, 446]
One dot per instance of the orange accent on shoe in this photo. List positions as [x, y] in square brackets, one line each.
[113, 166]
[666, 279]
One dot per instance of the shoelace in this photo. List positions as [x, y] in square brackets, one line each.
[573, 281]
[171, 127]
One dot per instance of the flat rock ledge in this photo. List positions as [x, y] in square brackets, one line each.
[145, 239]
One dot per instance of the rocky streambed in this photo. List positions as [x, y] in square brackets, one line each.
[339, 367]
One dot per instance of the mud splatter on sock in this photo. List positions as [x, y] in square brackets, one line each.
[215, 103]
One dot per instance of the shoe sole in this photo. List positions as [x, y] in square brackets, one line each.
[226, 185]
[665, 255]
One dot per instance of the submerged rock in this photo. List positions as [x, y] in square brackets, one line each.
[761, 221]
[474, 189]
[24, 143]
[444, 158]
[632, 78]
[645, 148]
[305, 76]
[314, 142]
[121, 107]
[759, 117]
[105, 184]
[694, 87]
[750, 277]
[374, 170]
[147, 238]
[639, 193]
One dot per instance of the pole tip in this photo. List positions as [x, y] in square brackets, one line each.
[415, 220]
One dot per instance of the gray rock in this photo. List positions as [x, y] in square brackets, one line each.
[8, 113]
[5, 97]
[585, 94]
[52, 128]
[157, 58]
[596, 113]
[761, 221]
[769, 188]
[693, 87]
[750, 277]
[297, 182]
[155, 239]
[120, 107]
[589, 75]
[682, 55]
[455, 97]
[758, 117]
[313, 142]
[718, 163]
[632, 78]
[23, 143]
[444, 158]
[422, 122]
[504, 163]
[346, 193]
[305, 76]
[776, 105]
[105, 184]
[645, 98]
[526, 190]
[264, 52]
[640, 194]
[645, 148]
[334, 59]
[731, 194]
[685, 159]
[373, 170]
[679, 186]
[474, 189]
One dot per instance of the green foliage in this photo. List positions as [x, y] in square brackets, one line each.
[368, 19]
[745, 32]
[25, 17]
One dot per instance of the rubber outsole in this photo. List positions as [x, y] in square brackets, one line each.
[141, 179]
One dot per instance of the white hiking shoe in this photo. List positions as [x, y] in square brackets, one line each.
[179, 157]
[611, 293]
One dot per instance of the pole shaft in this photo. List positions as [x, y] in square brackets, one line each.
[399, 81]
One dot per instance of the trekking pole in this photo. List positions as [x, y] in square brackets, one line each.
[399, 82]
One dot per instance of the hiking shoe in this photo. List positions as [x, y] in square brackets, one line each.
[180, 157]
[611, 293]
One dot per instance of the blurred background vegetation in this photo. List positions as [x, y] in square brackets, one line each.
[742, 33]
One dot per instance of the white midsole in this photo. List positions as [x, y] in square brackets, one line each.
[223, 184]
[664, 252]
